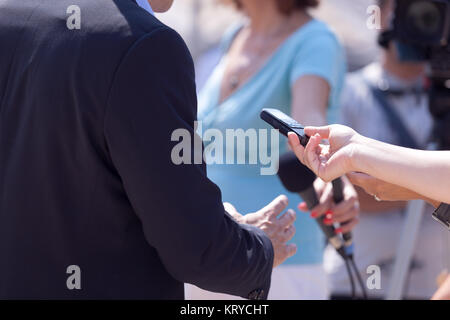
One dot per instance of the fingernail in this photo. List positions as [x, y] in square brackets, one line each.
[313, 214]
[329, 212]
[327, 221]
[338, 230]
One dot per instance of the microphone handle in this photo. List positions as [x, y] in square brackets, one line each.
[338, 196]
[310, 197]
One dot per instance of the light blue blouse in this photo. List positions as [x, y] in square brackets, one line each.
[312, 50]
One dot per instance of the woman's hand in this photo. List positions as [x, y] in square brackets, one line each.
[327, 161]
[346, 212]
[425, 172]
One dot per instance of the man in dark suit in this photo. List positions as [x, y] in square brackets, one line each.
[91, 204]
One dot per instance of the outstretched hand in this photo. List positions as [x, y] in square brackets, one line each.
[278, 226]
[327, 161]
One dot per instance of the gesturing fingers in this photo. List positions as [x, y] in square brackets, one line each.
[273, 209]
[288, 233]
[290, 249]
[281, 231]
[287, 219]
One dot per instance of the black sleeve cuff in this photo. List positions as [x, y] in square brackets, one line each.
[265, 272]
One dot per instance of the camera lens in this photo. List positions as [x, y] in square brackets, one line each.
[424, 18]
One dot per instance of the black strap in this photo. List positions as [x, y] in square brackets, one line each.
[405, 139]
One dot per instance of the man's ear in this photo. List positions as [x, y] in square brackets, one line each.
[160, 5]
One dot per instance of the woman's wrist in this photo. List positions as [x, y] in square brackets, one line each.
[358, 155]
[365, 157]
[432, 202]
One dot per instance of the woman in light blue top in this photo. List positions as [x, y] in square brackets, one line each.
[281, 59]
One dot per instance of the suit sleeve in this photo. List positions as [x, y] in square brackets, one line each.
[181, 210]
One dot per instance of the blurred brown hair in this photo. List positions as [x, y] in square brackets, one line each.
[287, 6]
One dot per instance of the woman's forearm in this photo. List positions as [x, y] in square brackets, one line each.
[425, 172]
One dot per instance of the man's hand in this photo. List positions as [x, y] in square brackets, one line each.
[279, 229]
[346, 212]
[384, 191]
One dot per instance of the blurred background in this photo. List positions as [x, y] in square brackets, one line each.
[202, 23]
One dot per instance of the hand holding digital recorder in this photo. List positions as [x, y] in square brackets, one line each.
[344, 245]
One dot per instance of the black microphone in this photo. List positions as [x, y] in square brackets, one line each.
[338, 196]
[297, 178]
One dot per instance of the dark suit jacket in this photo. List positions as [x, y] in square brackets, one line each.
[86, 176]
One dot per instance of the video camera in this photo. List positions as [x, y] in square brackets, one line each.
[421, 32]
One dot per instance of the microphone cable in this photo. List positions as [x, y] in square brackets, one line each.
[347, 253]
[358, 277]
[350, 277]
[352, 272]
[349, 265]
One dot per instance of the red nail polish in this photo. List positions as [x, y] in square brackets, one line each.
[313, 214]
[327, 221]
[338, 230]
